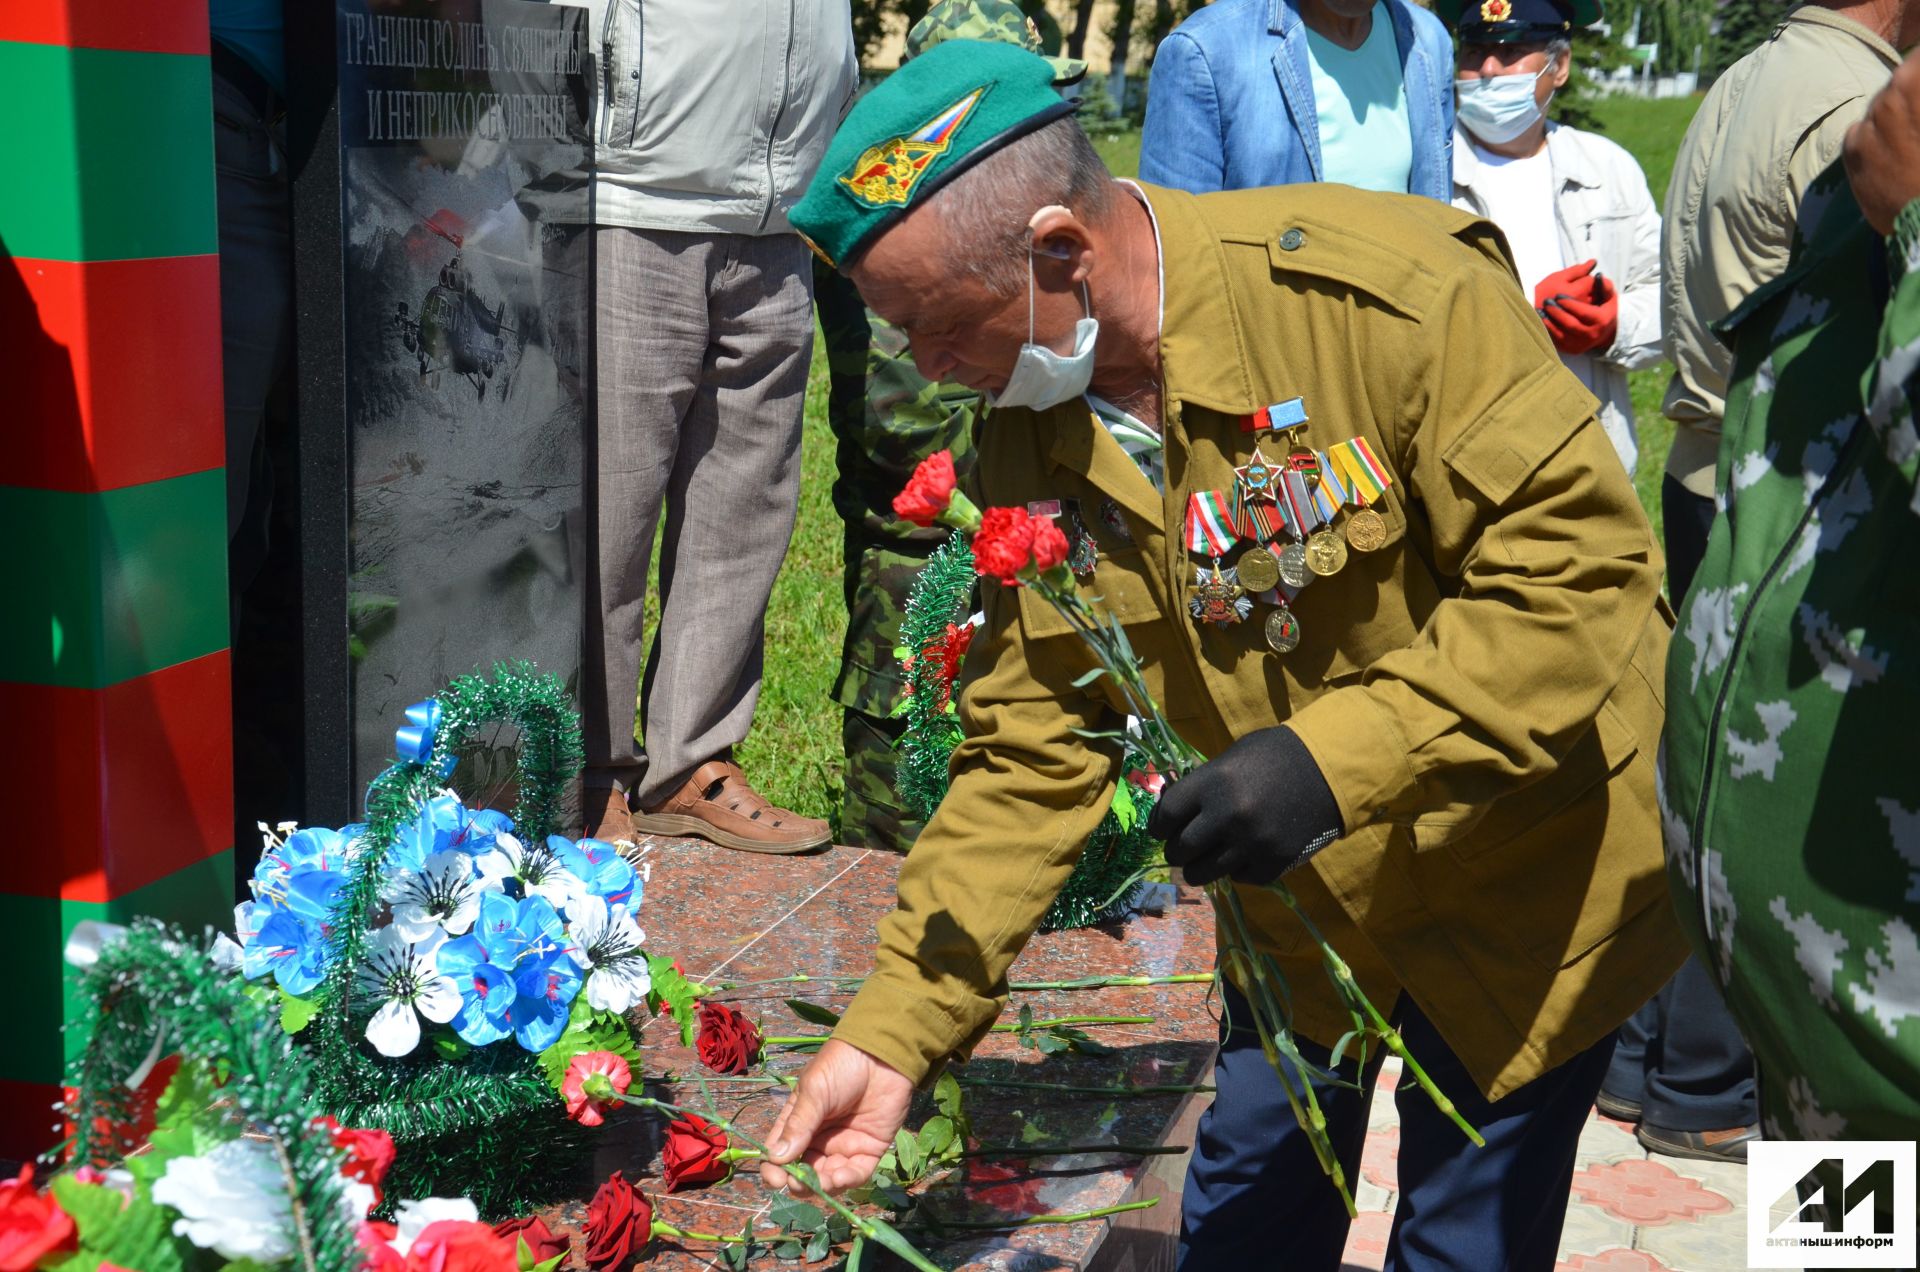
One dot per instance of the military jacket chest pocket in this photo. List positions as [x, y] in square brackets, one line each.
[1118, 587]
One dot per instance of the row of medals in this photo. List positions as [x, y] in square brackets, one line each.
[1217, 596]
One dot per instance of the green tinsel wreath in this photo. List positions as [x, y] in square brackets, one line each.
[482, 1123]
[1097, 889]
[155, 988]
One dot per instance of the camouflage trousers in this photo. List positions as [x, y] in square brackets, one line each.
[871, 812]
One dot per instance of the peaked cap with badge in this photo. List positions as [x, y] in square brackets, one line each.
[1516, 21]
[1001, 21]
[919, 128]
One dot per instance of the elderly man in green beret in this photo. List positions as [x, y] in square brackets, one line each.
[1376, 557]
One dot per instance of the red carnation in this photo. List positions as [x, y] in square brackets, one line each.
[588, 1106]
[369, 1152]
[619, 1224]
[1049, 545]
[947, 649]
[692, 1152]
[542, 1244]
[728, 1043]
[1003, 546]
[32, 1225]
[928, 491]
[460, 1245]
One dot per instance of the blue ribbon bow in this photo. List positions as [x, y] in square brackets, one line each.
[415, 739]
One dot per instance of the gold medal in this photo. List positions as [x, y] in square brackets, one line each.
[1366, 531]
[1257, 570]
[1326, 552]
[1293, 566]
[1283, 631]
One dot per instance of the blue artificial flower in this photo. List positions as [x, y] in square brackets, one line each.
[290, 932]
[521, 942]
[600, 866]
[486, 991]
[443, 824]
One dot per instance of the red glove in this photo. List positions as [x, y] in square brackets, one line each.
[1580, 307]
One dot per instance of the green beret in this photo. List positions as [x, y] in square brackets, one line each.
[919, 128]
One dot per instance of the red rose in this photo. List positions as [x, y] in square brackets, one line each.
[375, 1240]
[583, 1106]
[32, 1226]
[619, 1224]
[1003, 546]
[728, 1043]
[542, 1244]
[692, 1152]
[369, 1152]
[460, 1245]
[928, 491]
[1049, 545]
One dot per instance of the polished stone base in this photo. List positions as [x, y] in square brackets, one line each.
[733, 916]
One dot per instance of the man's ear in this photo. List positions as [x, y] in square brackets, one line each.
[1562, 68]
[1059, 236]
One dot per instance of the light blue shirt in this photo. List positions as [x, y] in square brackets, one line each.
[1361, 99]
[252, 28]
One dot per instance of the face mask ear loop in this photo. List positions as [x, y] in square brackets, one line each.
[1032, 285]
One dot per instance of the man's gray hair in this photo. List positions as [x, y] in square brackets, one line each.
[1556, 46]
[986, 210]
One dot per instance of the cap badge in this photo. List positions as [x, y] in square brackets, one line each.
[1496, 10]
[886, 174]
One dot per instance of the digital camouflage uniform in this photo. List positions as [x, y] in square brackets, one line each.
[886, 418]
[1791, 806]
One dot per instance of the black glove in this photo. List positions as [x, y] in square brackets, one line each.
[1253, 813]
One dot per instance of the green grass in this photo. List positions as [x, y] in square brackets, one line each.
[793, 751]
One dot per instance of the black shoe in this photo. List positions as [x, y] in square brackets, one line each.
[1617, 1107]
[1700, 1146]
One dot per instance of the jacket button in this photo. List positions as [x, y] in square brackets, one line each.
[1292, 239]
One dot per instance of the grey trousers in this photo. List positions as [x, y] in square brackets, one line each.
[703, 345]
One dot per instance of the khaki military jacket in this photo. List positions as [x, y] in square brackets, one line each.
[1483, 693]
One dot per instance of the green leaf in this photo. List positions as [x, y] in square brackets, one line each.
[907, 1150]
[551, 1265]
[587, 1030]
[185, 1125]
[838, 1229]
[936, 1137]
[818, 1246]
[884, 1233]
[451, 1046]
[1087, 678]
[1125, 812]
[296, 1012]
[813, 1013]
[793, 1215]
[1052, 1044]
[672, 993]
[947, 1096]
[788, 1250]
[131, 1233]
[855, 1255]
[1026, 1017]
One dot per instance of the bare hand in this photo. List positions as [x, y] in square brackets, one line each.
[1883, 150]
[840, 1119]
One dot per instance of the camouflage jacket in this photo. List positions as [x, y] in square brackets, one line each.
[1791, 809]
[886, 417]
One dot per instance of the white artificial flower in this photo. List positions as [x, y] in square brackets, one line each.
[605, 941]
[233, 1201]
[443, 894]
[402, 974]
[538, 872]
[413, 1217]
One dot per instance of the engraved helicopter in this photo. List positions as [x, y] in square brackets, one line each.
[455, 329]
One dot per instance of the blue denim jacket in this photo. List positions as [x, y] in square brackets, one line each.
[1230, 103]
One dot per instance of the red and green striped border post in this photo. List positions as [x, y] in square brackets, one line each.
[114, 689]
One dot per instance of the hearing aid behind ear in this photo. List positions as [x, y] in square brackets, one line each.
[1033, 223]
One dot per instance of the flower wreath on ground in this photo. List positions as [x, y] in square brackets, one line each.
[448, 965]
[1110, 880]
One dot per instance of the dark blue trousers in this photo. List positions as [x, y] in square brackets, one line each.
[1256, 1198]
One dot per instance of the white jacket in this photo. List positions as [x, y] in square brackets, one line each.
[712, 115]
[1605, 213]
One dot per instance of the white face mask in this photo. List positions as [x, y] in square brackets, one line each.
[1042, 378]
[1499, 108]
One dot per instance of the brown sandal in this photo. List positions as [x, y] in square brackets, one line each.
[717, 803]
